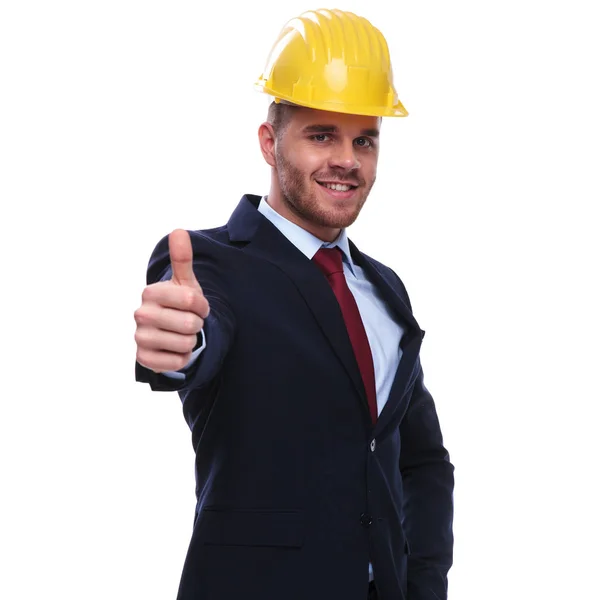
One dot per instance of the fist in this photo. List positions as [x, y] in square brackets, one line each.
[172, 312]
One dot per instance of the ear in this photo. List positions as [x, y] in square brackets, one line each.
[267, 140]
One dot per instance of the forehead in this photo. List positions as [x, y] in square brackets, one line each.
[308, 119]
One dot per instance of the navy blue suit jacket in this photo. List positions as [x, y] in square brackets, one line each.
[297, 490]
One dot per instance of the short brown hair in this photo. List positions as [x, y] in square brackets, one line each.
[279, 116]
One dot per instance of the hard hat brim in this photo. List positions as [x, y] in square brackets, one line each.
[396, 110]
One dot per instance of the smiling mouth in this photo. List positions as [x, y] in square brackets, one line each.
[337, 187]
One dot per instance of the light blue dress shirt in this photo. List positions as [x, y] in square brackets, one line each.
[383, 331]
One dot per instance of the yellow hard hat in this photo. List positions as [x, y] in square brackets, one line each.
[332, 60]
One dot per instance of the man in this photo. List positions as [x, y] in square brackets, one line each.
[320, 468]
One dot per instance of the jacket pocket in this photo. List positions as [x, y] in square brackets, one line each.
[251, 527]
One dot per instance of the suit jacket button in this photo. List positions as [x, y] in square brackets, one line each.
[366, 520]
[373, 445]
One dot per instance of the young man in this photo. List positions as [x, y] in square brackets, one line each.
[320, 467]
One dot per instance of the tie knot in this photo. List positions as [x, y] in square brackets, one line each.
[329, 260]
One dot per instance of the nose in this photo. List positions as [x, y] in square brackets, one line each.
[344, 156]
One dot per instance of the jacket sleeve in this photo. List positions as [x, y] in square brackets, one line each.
[428, 481]
[219, 326]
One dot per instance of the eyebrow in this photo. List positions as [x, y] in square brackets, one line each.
[333, 129]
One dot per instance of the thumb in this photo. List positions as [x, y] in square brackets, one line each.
[180, 250]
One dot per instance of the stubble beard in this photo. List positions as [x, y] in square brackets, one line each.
[302, 200]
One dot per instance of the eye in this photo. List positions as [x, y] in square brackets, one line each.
[363, 142]
[320, 137]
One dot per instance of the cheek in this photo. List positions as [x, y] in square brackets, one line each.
[369, 167]
[310, 161]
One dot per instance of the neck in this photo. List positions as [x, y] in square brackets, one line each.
[279, 205]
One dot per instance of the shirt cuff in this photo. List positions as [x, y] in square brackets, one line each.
[180, 375]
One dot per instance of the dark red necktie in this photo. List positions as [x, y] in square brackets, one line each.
[329, 260]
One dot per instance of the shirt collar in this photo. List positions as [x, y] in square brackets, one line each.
[305, 241]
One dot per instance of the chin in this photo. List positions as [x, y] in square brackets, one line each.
[339, 218]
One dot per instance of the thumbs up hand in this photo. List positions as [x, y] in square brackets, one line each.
[172, 312]
[182, 257]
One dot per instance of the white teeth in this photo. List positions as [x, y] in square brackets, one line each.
[337, 187]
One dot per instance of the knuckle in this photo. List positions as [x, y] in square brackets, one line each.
[206, 310]
[190, 343]
[140, 337]
[190, 324]
[147, 293]
[181, 361]
[189, 299]
[140, 316]
[142, 357]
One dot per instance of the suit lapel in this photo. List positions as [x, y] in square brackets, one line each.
[411, 341]
[259, 237]
[264, 240]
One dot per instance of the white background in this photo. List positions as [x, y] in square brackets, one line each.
[121, 120]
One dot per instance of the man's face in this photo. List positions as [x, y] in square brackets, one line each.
[326, 165]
